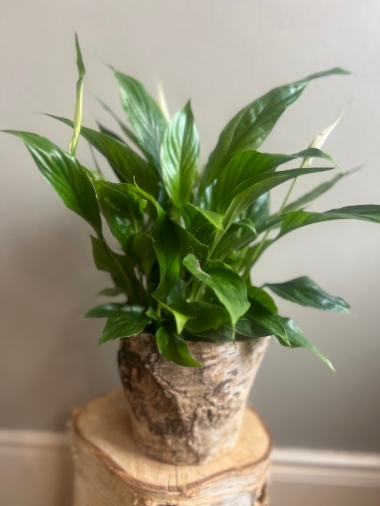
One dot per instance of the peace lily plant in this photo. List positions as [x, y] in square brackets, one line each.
[189, 236]
[192, 325]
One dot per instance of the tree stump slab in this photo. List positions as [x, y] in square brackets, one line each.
[110, 469]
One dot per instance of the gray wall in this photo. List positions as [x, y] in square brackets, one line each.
[222, 54]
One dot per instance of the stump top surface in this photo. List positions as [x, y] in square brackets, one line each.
[103, 425]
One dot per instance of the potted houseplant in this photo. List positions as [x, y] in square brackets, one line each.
[192, 326]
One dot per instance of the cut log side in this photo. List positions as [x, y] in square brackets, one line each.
[182, 415]
[110, 469]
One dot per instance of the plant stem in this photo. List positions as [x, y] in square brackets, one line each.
[287, 196]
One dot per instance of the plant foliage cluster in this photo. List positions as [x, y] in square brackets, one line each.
[188, 237]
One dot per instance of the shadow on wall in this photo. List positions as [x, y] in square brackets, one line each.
[50, 357]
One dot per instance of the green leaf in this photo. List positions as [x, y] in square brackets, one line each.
[126, 163]
[238, 236]
[123, 208]
[119, 266]
[79, 99]
[259, 321]
[178, 291]
[212, 217]
[225, 282]
[208, 317]
[189, 243]
[300, 219]
[168, 250]
[247, 192]
[65, 174]
[180, 157]
[127, 322]
[124, 198]
[224, 334]
[173, 348]
[182, 312]
[298, 340]
[144, 115]
[305, 292]
[249, 164]
[171, 243]
[251, 126]
[143, 252]
[103, 311]
[247, 224]
[258, 211]
[106, 131]
[102, 257]
[260, 295]
[313, 194]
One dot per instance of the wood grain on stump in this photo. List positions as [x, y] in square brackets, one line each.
[111, 470]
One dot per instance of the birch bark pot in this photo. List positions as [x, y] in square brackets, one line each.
[182, 415]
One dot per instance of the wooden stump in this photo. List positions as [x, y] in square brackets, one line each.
[110, 470]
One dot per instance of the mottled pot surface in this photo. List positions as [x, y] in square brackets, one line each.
[183, 415]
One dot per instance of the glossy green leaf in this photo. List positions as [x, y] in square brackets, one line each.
[305, 292]
[180, 156]
[167, 246]
[299, 219]
[79, 99]
[125, 198]
[246, 223]
[251, 126]
[239, 235]
[65, 174]
[168, 250]
[182, 312]
[258, 211]
[127, 322]
[189, 243]
[250, 164]
[253, 188]
[143, 252]
[171, 243]
[146, 118]
[208, 316]
[260, 295]
[173, 348]
[224, 334]
[226, 283]
[200, 226]
[102, 258]
[123, 208]
[126, 163]
[298, 340]
[106, 131]
[103, 311]
[259, 321]
[119, 266]
[212, 217]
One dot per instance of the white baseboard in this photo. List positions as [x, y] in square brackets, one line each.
[326, 467]
[35, 470]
